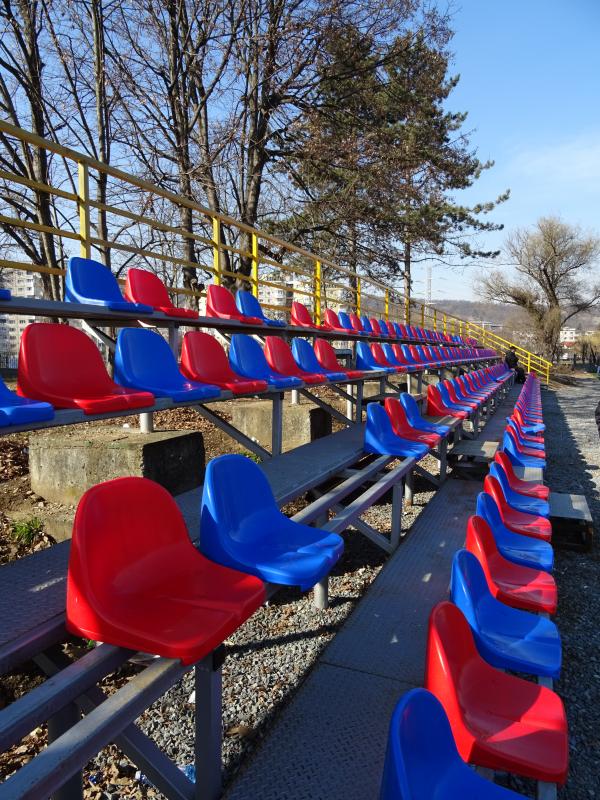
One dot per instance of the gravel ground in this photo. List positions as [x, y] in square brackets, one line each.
[573, 454]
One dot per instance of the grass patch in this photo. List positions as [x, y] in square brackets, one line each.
[26, 531]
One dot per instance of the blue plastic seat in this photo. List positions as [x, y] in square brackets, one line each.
[5, 294]
[409, 356]
[144, 360]
[516, 547]
[421, 760]
[522, 502]
[506, 637]
[380, 437]
[416, 420]
[398, 330]
[448, 402]
[346, 322]
[306, 358]
[390, 356]
[242, 528]
[366, 323]
[250, 307]
[520, 459]
[247, 358]
[524, 442]
[16, 410]
[89, 281]
[366, 360]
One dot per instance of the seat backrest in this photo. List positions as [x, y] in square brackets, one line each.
[220, 301]
[364, 355]
[378, 422]
[203, 358]
[279, 356]
[145, 287]
[390, 328]
[468, 586]
[379, 355]
[375, 326]
[411, 409]
[61, 359]
[365, 322]
[355, 321]
[390, 356]
[450, 651]
[246, 356]
[492, 487]
[236, 495]
[397, 415]
[300, 315]
[248, 305]
[143, 356]
[331, 318]
[488, 510]
[326, 355]
[420, 748]
[507, 465]
[90, 280]
[305, 356]
[125, 533]
[345, 320]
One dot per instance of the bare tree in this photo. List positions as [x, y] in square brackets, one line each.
[554, 264]
[22, 102]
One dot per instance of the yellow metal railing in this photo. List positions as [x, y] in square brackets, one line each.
[278, 271]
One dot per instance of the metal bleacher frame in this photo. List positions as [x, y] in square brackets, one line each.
[32, 590]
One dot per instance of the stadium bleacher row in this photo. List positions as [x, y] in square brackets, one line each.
[473, 709]
[59, 368]
[138, 579]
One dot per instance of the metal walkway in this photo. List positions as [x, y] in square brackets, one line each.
[329, 743]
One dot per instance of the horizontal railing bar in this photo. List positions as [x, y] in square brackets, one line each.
[41, 187]
[61, 759]
[42, 702]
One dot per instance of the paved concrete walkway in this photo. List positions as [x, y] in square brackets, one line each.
[329, 743]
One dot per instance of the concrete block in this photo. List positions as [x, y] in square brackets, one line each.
[64, 463]
[302, 423]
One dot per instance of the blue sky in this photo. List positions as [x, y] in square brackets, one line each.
[530, 80]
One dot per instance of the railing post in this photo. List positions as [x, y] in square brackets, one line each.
[318, 292]
[435, 319]
[83, 197]
[422, 315]
[358, 298]
[216, 250]
[407, 310]
[387, 304]
[445, 324]
[255, 265]
[528, 362]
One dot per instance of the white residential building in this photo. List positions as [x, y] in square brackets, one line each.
[568, 335]
[21, 284]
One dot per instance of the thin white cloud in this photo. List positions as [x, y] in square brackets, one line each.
[575, 160]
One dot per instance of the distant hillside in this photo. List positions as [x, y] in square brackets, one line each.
[508, 316]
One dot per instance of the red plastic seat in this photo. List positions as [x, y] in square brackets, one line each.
[280, 358]
[203, 359]
[145, 287]
[437, 408]
[529, 488]
[376, 327]
[63, 366]
[402, 427]
[380, 358]
[135, 579]
[523, 449]
[517, 521]
[357, 324]
[300, 316]
[332, 322]
[221, 303]
[328, 360]
[498, 720]
[390, 329]
[517, 586]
